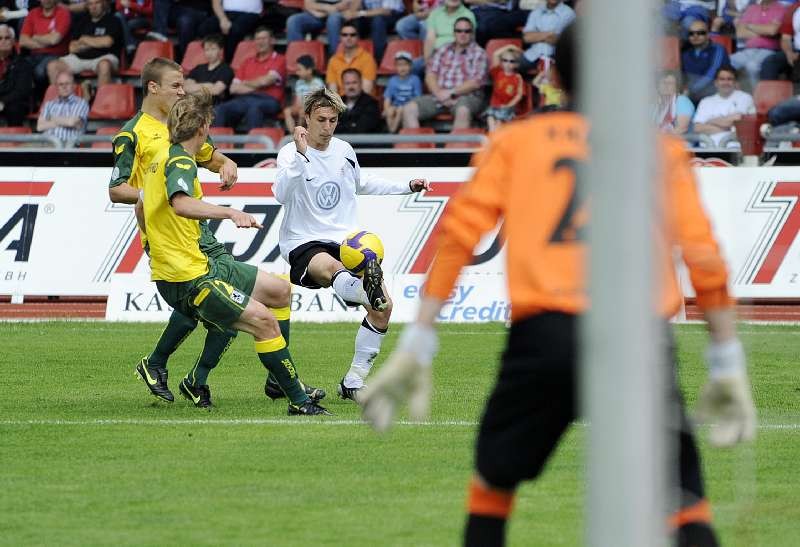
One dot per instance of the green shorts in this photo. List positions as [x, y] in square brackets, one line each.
[217, 298]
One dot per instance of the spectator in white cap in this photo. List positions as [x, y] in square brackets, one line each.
[402, 87]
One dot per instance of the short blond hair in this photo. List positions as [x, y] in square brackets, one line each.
[323, 98]
[154, 69]
[189, 114]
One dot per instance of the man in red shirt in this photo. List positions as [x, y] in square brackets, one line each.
[257, 89]
[45, 33]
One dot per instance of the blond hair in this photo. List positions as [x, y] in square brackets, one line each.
[323, 98]
[189, 114]
[154, 69]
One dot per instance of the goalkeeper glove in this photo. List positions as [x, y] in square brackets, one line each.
[726, 400]
[406, 375]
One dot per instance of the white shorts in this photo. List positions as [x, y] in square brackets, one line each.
[78, 65]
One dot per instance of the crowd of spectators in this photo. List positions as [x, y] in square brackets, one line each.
[727, 47]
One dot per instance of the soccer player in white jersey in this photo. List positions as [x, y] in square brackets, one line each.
[318, 181]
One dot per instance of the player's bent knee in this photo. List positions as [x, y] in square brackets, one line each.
[266, 326]
[283, 293]
[505, 462]
[504, 475]
[257, 320]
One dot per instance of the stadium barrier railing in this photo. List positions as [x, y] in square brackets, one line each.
[266, 143]
[391, 139]
[27, 138]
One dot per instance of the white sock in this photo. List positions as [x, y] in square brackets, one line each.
[368, 346]
[349, 287]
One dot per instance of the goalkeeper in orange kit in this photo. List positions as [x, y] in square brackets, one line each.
[527, 176]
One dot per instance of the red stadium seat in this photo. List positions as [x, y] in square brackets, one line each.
[416, 131]
[496, 43]
[365, 44]
[466, 131]
[296, 49]
[274, 133]
[145, 51]
[414, 47]
[670, 53]
[13, 130]
[113, 102]
[110, 131]
[194, 56]
[723, 40]
[244, 50]
[768, 93]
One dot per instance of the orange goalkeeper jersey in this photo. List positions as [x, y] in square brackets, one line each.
[527, 176]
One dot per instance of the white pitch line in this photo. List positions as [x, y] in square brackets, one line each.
[284, 421]
[230, 421]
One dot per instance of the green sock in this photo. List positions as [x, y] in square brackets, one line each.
[284, 325]
[217, 343]
[275, 357]
[176, 331]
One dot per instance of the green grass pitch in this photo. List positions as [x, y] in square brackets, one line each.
[87, 458]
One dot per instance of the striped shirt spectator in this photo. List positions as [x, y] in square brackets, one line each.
[453, 68]
[65, 116]
[456, 74]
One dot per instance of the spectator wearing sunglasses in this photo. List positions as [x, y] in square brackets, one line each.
[542, 30]
[701, 61]
[351, 56]
[439, 30]
[507, 86]
[455, 77]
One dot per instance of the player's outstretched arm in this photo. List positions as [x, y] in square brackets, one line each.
[189, 207]
[418, 185]
[726, 401]
[406, 375]
[123, 193]
[226, 167]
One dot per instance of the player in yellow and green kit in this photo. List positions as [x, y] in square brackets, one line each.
[224, 294]
[135, 147]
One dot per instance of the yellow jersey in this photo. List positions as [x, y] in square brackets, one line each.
[175, 254]
[136, 146]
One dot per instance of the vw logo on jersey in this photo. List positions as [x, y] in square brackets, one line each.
[328, 195]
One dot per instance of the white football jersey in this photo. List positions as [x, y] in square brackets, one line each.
[318, 192]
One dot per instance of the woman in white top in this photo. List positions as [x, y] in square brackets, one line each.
[673, 112]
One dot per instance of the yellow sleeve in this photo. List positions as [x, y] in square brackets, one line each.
[206, 151]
